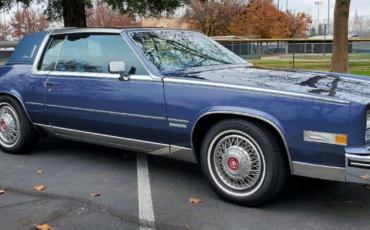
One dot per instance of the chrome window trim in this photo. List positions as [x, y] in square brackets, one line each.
[248, 115]
[98, 75]
[86, 30]
[319, 171]
[255, 89]
[107, 112]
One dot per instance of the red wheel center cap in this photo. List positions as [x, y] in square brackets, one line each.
[233, 163]
[3, 125]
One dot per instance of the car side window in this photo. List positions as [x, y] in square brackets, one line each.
[51, 54]
[92, 53]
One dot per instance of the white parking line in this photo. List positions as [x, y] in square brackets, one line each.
[146, 214]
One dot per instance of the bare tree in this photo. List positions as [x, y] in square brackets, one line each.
[28, 21]
[4, 31]
[103, 15]
[339, 59]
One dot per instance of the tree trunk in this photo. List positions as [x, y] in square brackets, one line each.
[74, 13]
[339, 59]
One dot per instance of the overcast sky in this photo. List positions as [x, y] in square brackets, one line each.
[363, 7]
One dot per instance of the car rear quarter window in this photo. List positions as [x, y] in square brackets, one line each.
[51, 54]
[92, 53]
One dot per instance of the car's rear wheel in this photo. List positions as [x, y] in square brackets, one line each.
[243, 162]
[17, 134]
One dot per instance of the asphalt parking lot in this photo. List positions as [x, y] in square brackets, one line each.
[73, 171]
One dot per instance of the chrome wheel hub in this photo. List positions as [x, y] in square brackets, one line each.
[237, 162]
[9, 125]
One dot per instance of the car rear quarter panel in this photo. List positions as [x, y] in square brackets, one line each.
[292, 115]
[16, 80]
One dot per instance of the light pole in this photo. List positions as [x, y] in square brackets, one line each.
[318, 3]
[328, 17]
[286, 4]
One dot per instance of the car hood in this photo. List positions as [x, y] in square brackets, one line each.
[342, 86]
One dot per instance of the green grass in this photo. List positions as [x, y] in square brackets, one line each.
[358, 67]
[351, 56]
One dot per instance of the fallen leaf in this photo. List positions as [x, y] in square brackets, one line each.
[39, 187]
[270, 214]
[195, 201]
[44, 227]
[95, 194]
[39, 172]
[365, 177]
[367, 186]
[186, 225]
[361, 205]
[349, 202]
[2, 191]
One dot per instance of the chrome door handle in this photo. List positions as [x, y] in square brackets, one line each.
[51, 83]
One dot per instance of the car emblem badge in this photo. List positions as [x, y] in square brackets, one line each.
[3, 125]
[233, 163]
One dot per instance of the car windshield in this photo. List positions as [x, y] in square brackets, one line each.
[172, 50]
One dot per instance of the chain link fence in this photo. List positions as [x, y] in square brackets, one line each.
[357, 51]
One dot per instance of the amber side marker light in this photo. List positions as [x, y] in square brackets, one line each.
[341, 139]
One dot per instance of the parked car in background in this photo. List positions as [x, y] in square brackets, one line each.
[178, 94]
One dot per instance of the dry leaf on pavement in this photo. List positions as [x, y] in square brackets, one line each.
[195, 201]
[365, 177]
[95, 194]
[186, 225]
[39, 172]
[39, 187]
[2, 191]
[367, 186]
[44, 227]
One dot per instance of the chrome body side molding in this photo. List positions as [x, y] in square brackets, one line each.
[256, 89]
[319, 171]
[35, 103]
[252, 116]
[166, 150]
[105, 112]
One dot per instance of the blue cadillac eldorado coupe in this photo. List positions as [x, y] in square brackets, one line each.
[179, 94]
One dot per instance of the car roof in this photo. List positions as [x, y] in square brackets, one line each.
[103, 29]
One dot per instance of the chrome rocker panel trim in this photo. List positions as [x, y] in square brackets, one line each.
[319, 171]
[153, 148]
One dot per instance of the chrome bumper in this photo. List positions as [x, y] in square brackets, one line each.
[358, 168]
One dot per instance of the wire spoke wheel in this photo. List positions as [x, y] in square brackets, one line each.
[9, 125]
[237, 162]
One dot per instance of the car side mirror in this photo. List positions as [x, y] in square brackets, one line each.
[118, 67]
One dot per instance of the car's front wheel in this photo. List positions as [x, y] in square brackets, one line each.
[17, 134]
[243, 162]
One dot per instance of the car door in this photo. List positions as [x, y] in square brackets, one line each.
[84, 101]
